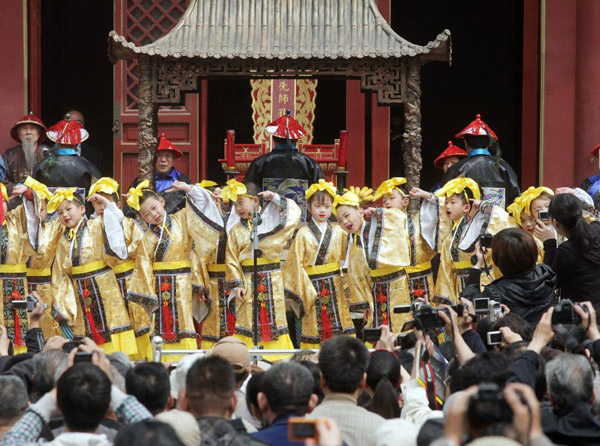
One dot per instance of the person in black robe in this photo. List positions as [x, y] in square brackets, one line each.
[496, 178]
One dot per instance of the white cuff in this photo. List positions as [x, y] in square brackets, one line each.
[114, 231]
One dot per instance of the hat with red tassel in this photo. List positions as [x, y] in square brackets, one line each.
[27, 119]
[451, 150]
[67, 132]
[477, 128]
[285, 127]
[165, 145]
[595, 151]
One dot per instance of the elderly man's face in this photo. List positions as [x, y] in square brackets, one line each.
[164, 162]
[28, 131]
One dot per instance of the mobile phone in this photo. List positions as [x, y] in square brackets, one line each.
[485, 241]
[371, 335]
[71, 345]
[402, 309]
[300, 429]
[409, 325]
[82, 357]
[494, 337]
[481, 305]
[544, 216]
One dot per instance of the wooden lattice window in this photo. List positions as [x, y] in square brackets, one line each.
[147, 21]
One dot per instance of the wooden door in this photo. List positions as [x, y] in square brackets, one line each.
[142, 22]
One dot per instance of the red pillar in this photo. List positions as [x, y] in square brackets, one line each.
[587, 113]
[355, 124]
[557, 154]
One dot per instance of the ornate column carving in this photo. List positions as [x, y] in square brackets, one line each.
[148, 121]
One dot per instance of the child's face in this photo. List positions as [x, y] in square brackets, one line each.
[456, 208]
[99, 205]
[540, 204]
[70, 213]
[43, 209]
[395, 200]
[244, 206]
[320, 210]
[152, 210]
[349, 219]
[449, 162]
[527, 222]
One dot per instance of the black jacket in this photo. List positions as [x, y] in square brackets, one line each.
[481, 169]
[578, 273]
[528, 295]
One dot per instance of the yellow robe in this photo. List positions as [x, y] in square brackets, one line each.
[87, 295]
[383, 242]
[420, 274]
[272, 331]
[162, 278]
[313, 280]
[15, 249]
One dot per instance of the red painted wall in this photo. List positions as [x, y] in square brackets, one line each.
[13, 76]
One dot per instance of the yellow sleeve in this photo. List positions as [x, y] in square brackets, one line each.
[446, 278]
[141, 289]
[298, 286]
[65, 300]
[234, 275]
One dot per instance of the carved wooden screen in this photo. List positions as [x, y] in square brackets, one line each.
[142, 22]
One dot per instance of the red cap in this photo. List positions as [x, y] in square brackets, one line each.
[165, 144]
[67, 132]
[477, 128]
[451, 150]
[595, 150]
[28, 119]
[285, 127]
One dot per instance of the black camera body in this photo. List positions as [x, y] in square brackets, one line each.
[564, 313]
[489, 406]
[485, 241]
[426, 317]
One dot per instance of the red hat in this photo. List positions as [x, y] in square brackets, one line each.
[595, 150]
[67, 132]
[165, 144]
[477, 128]
[285, 127]
[28, 119]
[451, 150]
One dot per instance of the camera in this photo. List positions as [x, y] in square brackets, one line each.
[489, 406]
[485, 241]
[485, 307]
[427, 317]
[371, 335]
[564, 313]
[494, 337]
[544, 216]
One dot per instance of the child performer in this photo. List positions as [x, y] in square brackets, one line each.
[162, 279]
[266, 320]
[462, 195]
[311, 272]
[39, 272]
[420, 275]
[133, 231]
[15, 248]
[381, 241]
[85, 287]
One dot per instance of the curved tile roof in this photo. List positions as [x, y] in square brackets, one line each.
[282, 29]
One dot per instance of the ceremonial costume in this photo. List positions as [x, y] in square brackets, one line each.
[383, 243]
[312, 277]
[497, 180]
[449, 152]
[64, 167]
[15, 248]
[87, 295]
[279, 220]
[592, 184]
[162, 278]
[285, 170]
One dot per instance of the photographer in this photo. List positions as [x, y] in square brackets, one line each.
[526, 288]
[577, 260]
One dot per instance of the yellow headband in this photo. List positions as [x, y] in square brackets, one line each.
[105, 185]
[60, 195]
[4, 192]
[233, 190]
[322, 185]
[348, 199]
[388, 186]
[458, 186]
[40, 188]
[206, 183]
[135, 194]
[523, 202]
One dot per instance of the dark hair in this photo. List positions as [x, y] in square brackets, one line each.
[478, 141]
[485, 367]
[255, 385]
[383, 378]
[316, 374]
[567, 210]
[147, 194]
[78, 198]
[147, 433]
[517, 324]
[210, 384]
[83, 396]
[149, 383]
[343, 361]
[288, 387]
[514, 251]
[320, 196]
